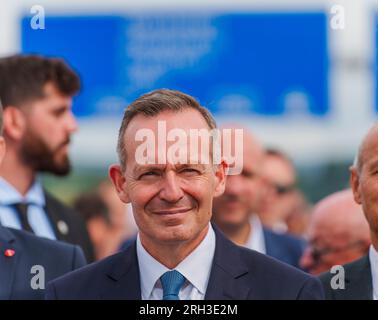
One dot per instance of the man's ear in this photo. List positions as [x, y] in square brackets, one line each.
[220, 176]
[355, 184]
[14, 122]
[119, 182]
[2, 149]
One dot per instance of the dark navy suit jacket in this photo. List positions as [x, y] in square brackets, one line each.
[358, 282]
[236, 273]
[57, 258]
[284, 247]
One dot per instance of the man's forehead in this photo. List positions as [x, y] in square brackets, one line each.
[370, 159]
[169, 134]
[186, 119]
[369, 146]
[277, 169]
[53, 98]
[162, 124]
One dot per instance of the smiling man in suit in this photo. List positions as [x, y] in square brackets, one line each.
[36, 94]
[178, 253]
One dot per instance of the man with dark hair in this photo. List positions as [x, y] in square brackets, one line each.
[178, 253]
[28, 262]
[279, 173]
[105, 231]
[36, 94]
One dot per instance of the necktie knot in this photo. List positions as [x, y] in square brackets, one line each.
[171, 281]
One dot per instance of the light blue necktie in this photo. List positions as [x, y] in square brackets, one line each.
[171, 282]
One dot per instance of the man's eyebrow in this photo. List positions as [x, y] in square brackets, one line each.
[61, 108]
[191, 165]
[248, 172]
[142, 168]
[373, 164]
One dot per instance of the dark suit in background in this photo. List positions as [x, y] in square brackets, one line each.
[57, 258]
[358, 282]
[284, 247]
[68, 225]
[236, 273]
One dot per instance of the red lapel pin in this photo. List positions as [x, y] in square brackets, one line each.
[9, 253]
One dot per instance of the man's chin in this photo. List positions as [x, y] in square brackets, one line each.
[230, 223]
[62, 166]
[173, 238]
[58, 169]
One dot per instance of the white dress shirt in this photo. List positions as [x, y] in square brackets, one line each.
[256, 239]
[195, 268]
[35, 198]
[373, 257]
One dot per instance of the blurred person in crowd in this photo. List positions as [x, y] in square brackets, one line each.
[121, 213]
[23, 255]
[279, 172]
[361, 276]
[36, 93]
[236, 210]
[178, 253]
[338, 233]
[105, 217]
[298, 217]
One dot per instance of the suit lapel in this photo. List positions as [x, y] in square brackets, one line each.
[123, 276]
[225, 282]
[226, 274]
[358, 281]
[271, 249]
[54, 215]
[8, 264]
[275, 247]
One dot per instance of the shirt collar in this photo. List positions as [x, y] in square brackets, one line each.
[151, 269]
[373, 257]
[256, 239]
[9, 195]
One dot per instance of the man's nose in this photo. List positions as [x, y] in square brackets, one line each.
[72, 125]
[171, 190]
[233, 185]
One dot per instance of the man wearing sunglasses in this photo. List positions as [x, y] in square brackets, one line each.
[237, 210]
[279, 173]
[338, 233]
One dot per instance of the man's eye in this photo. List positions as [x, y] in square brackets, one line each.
[248, 174]
[190, 171]
[148, 174]
[59, 112]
